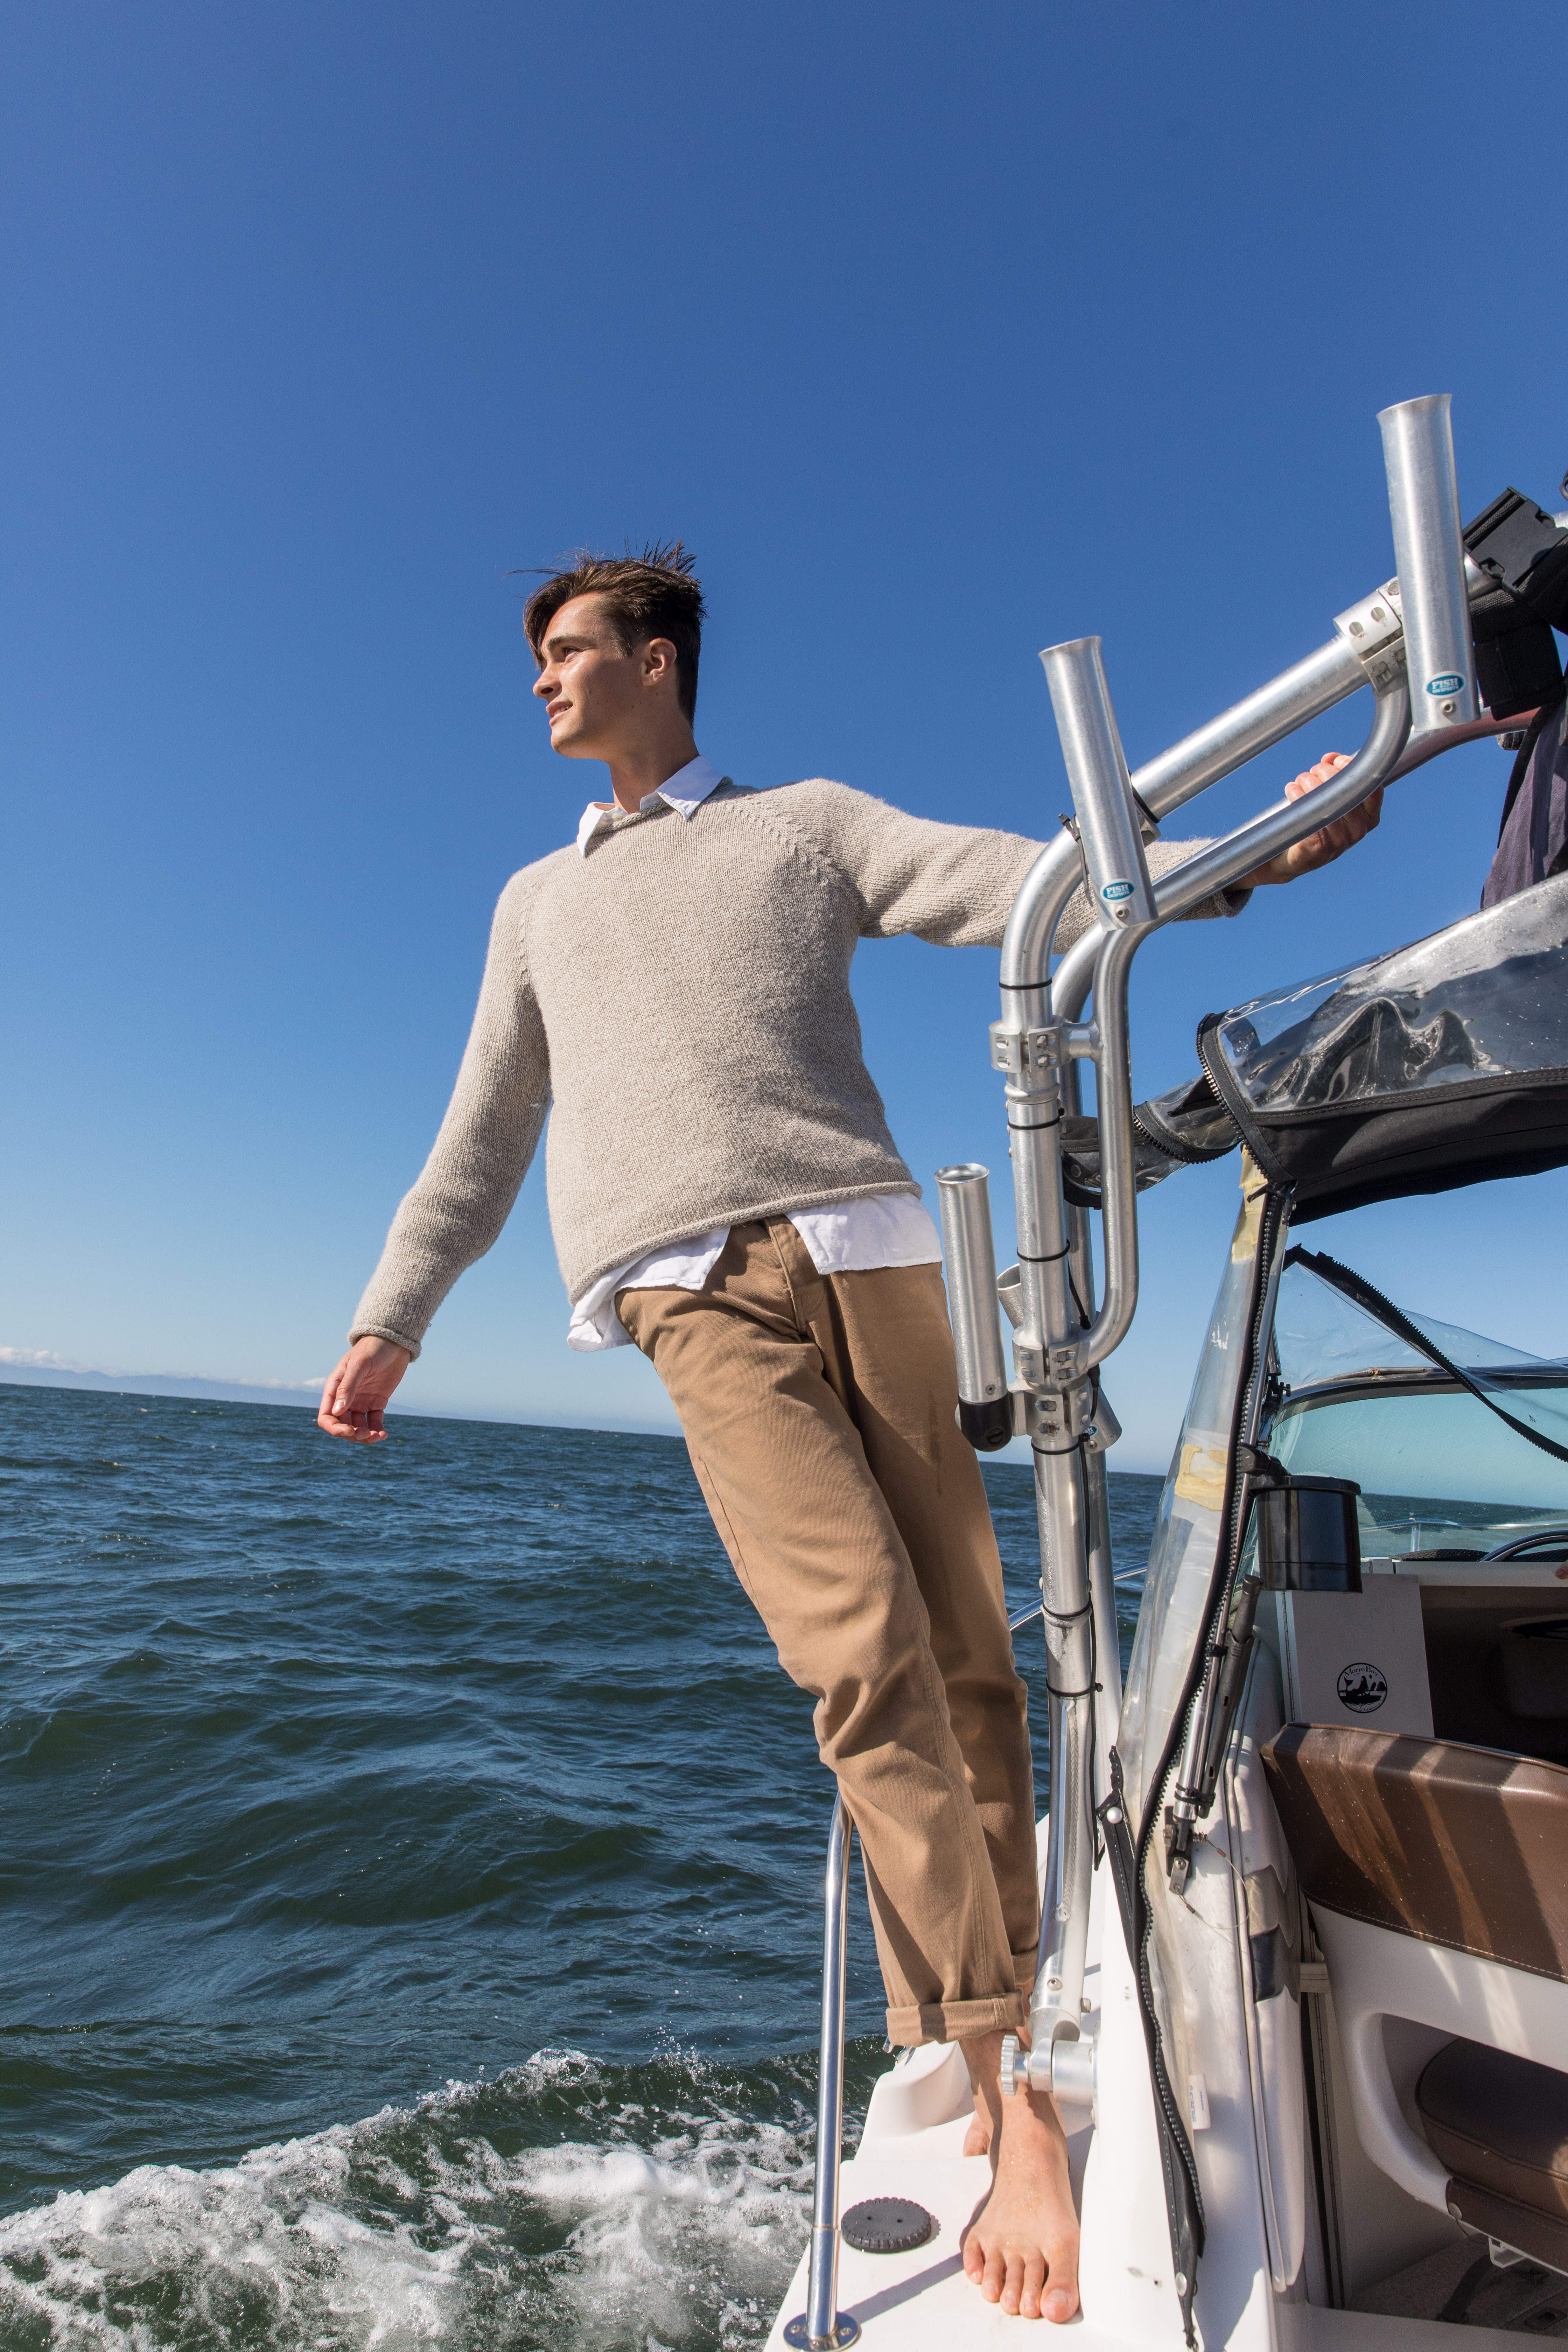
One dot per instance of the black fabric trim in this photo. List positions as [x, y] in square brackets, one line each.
[1361, 1293]
[1217, 1071]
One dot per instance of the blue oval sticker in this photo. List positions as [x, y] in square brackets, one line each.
[1450, 683]
[1115, 890]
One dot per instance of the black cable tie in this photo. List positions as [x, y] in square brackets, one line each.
[1024, 1259]
[1087, 1692]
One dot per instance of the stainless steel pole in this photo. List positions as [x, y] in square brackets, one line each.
[822, 2328]
[1429, 554]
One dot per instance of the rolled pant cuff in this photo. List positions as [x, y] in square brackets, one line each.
[954, 2020]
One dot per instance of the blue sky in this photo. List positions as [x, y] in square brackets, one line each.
[939, 334]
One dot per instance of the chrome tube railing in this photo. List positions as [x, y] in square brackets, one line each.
[1061, 1334]
[822, 2326]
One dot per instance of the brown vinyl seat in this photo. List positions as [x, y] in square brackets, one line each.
[1438, 1876]
[1500, 2124]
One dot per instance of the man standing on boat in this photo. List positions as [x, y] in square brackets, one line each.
[674, 987]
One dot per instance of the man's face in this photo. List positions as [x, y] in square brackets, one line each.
[595, 695]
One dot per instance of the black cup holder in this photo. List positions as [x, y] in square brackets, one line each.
[1309, 1540]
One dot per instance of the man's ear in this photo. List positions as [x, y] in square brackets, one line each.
[658, 661]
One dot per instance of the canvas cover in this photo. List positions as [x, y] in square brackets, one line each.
[1443, 1063]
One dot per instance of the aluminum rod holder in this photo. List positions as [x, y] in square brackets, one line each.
[822, 2326]
[1429, 556]
[1109, 830]
[984, 1407]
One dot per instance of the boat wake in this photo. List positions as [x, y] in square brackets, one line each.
[562, 2203]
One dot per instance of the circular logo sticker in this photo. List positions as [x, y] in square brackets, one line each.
[1363, 1687]
[1115, 890]
[1449, 683]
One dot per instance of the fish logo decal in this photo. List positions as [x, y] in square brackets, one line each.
[1449, 683]
[1113, 892]
[1363, 1687]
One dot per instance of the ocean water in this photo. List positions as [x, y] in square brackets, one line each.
[411, 1872]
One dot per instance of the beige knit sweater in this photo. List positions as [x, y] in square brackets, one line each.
[680, 995]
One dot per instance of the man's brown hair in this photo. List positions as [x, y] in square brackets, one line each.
[653, 595]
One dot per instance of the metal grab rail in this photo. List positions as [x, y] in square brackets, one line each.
[822, 2326]
[1060, 1335]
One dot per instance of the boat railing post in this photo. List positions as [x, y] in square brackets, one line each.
[1430, 557]
[822, 2326]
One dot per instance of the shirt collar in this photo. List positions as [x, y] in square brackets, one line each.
[685, 791]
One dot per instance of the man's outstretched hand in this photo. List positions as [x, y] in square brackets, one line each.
[356, 1393]
[1318, 848]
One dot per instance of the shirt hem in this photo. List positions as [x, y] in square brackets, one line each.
[824, 1196]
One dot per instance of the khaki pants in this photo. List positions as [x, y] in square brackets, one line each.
[819, 1410]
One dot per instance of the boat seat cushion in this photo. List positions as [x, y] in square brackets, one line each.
[1500, 2124]
[1458, 1846]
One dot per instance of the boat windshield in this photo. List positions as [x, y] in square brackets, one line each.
[1440, 1471]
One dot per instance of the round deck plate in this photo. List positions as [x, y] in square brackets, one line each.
[886, 2225]
[845, 2331]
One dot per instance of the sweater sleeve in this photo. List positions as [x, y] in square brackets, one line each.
[951, 884]
[466, 1190]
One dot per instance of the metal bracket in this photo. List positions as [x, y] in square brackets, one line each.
[1065, 2068]
[1040, 1412]
[1025, 1053]
[1374, 631]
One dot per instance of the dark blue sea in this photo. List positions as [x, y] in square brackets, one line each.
[412, 1866]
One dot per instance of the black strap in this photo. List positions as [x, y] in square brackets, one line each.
[1521, 769]
[1373, 1302]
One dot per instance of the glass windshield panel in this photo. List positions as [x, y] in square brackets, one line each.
[1321, 1335]
[1487, 997]
[1186, 1533]
[1436, 1470]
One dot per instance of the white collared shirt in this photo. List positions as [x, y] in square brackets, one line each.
[684, 792]
[841, 1237]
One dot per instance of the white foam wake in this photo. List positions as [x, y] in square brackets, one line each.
[668, 2227]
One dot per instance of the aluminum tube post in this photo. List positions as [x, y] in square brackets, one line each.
[1108, 822]
[1263, 719]
[1107, 1633]
[1058, 1999]
[984, 1408]
[1429, 556]
[822, 2328]
[1096, 1493]
[1224, 863]
[1255, 724]
[1118, 1166]
[1032, 926]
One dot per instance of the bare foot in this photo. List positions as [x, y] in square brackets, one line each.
[1021, 2250]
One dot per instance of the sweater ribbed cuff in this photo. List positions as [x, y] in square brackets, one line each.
[384, 1331]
